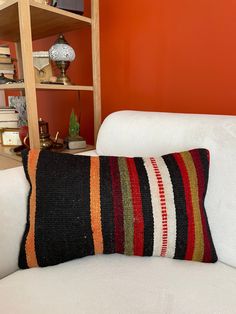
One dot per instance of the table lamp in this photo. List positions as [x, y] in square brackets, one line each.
[62, 54]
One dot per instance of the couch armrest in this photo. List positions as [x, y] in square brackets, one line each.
[13, 213]
[13, 204]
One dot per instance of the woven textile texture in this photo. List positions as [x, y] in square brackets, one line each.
[82, 205]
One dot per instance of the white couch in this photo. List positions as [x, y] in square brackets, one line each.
[117, 284]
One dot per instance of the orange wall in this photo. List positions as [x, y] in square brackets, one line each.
[168, 55]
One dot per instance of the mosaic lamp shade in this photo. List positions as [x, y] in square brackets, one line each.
[62, 54]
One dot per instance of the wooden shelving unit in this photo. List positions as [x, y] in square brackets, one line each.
[64, 87]
[45, 20]
[22, 21]
[21, 86]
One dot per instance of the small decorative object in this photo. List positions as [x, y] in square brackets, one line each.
[75, 6]
[42, 66]
[62, 54]
[45, 141]
[10, 137]
[75, 141]
[57, 143]
[5, 80]
[23, 132]
[19, 103]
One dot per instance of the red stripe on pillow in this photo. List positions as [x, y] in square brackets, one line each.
[137, 207]
[118, 206]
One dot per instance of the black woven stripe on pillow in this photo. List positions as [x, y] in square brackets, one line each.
[181, 214]
[107, 210]
[146, 206]
[66, 233]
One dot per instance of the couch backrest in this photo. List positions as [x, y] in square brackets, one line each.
[136, 133]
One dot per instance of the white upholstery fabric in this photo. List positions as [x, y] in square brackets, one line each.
[121, 285]
[13, 203]
[136, 133]
[118, 284]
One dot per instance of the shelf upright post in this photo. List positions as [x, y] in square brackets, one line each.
[28, 71]
[96, 66]
[19, 59]
[19, 64]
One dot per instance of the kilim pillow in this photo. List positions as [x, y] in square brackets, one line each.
[82, 205]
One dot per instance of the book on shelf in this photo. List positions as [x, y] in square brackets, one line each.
[7, 71]
[8, 124]
[5, 59]
[9, 76]
[6, 62]
[9, 116]
[4, 109]
[5, 50]
[6, 66]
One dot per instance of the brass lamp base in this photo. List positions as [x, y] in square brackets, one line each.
[63, 78]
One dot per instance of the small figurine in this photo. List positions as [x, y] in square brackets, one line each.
[74, 125]
[75, 141]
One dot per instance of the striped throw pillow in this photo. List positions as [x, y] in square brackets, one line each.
[82, 205]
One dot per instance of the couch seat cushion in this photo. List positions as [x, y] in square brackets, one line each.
[121, 285]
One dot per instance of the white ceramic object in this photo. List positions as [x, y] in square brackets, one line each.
[62, 52]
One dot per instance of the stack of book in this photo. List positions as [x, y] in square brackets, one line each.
[6, 65]
[8, 118]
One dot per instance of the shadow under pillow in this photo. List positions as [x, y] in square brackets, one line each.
[82, 205]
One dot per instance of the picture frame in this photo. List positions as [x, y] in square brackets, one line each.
[19, 103]
[10, 137]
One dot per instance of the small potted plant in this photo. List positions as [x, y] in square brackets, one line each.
[75, 141]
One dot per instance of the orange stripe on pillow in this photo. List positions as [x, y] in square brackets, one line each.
[30, 240]
[95, 205]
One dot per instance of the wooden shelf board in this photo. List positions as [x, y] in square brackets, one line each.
[49, 21]
[46, 21]
[7, 163]
[77, 151]
[12, 86]
[8, 159]
[64, 87]
[6, 151]
[9, 22]
[8, 3]
[47, 87]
